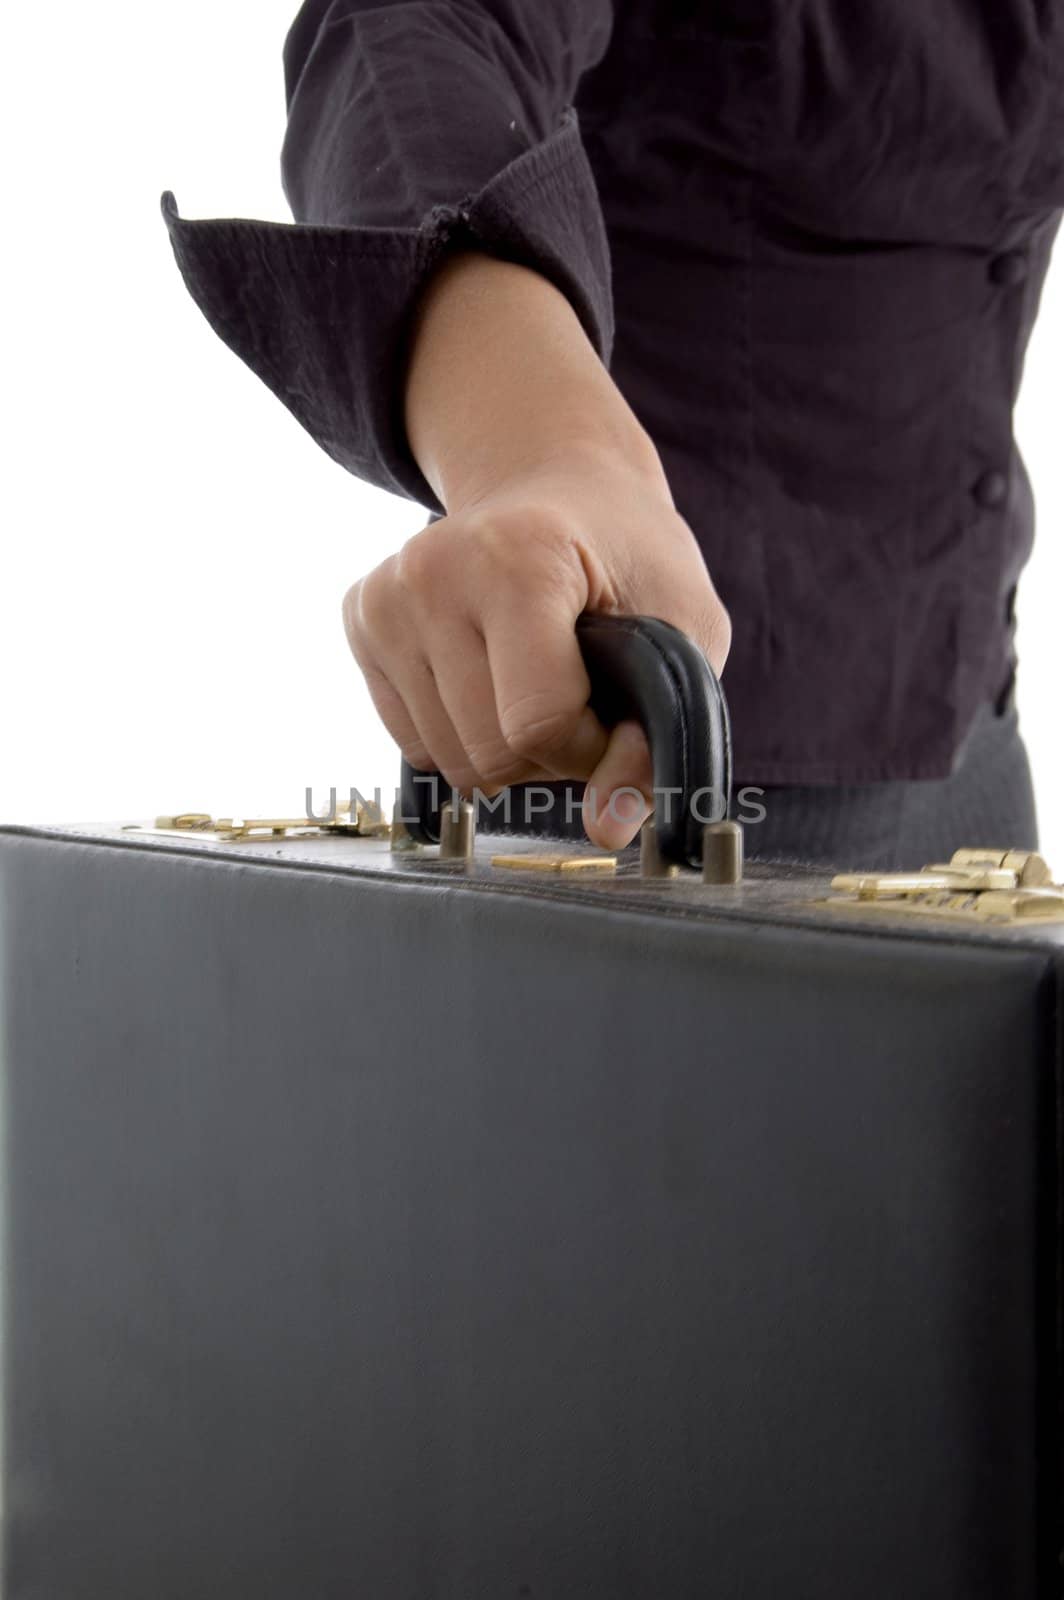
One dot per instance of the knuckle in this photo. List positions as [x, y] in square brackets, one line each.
[373, 610]
[533, 730]
[417, 564]
[516, 538]
[497, 765]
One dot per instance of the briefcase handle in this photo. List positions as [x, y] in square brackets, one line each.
[645, 670]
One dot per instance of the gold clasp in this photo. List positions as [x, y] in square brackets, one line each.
[981, 885]
[570, 866]
[365, 822]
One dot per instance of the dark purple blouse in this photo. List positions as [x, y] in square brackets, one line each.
[807, 236]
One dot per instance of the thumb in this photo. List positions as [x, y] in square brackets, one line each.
[620, 792]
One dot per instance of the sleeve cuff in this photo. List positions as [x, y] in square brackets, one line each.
[322, 314]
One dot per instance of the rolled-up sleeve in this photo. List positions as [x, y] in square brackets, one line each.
[415, 128]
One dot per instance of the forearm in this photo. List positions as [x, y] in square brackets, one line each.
[556, 504]
[502, 378]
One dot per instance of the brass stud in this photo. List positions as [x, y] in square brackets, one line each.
[652, 863]
[457, 831]
[722, 853]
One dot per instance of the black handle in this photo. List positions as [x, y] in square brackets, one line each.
[647, 671]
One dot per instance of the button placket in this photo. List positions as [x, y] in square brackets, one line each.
[1009, 269]
[987, 675]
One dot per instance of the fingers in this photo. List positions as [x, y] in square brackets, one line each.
[438, 700]
[473, 751]
[541, 688]
[467, 638]
[619, 795]
[388, 701]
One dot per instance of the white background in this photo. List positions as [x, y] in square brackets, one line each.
[176, 547]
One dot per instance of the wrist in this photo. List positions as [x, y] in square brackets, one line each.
[585, 452]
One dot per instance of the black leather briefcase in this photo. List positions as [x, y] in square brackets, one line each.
[381, 1223]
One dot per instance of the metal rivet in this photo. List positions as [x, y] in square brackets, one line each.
[722, 853]
[652, 863]
[457, 831]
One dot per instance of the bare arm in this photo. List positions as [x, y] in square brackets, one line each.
[556, 503]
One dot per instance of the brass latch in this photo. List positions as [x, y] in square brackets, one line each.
[567, 865]
[1003, 886]
[364, 821]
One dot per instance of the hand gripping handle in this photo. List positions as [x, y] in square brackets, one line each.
[647, 671]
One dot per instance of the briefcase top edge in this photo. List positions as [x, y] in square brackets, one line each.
[784, 895]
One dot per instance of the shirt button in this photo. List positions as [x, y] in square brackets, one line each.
[991, 490]
[1008, 270]
[1004, 697]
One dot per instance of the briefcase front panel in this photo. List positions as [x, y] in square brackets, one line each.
[372, 1229]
